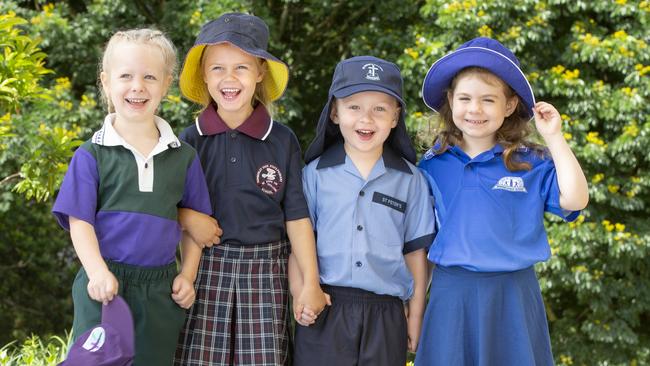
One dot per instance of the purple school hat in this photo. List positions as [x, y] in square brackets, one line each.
[111, 343]
[481, 52]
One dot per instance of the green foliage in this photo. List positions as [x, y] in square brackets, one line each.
[33, 352]
[21, 65]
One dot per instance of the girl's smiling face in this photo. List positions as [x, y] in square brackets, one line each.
[135, 81]
[231, 76]
[479, 107]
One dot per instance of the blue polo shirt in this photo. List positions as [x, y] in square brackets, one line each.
[364, 227]
[254, 175]
[490, 218]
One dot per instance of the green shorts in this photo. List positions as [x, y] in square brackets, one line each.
[157, 318]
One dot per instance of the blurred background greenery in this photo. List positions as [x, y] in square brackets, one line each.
[589, 58]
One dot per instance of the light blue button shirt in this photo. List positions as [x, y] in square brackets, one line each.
[490, 218]
[364, 227]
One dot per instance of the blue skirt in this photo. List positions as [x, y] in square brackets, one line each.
[484, 319]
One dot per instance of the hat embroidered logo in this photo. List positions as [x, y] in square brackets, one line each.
[96, 340]
[372, 71]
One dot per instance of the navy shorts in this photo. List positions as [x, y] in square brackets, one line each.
[360, 328]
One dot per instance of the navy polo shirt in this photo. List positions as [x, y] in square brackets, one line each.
[491, 218]
[365, 226]
[254, 175]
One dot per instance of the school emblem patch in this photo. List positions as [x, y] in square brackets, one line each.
[372, 71]
[512, 184]
[269, 179]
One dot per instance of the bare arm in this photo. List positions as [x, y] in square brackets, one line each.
[416, 262]
[203, 229]
[574, 194]
[303, 247]
[102, 284]
[183, 286]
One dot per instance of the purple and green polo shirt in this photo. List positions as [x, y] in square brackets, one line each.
[254, 175]
[132, 200]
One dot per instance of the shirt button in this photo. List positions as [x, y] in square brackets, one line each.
[233, 159]
[359, 264]
[359, 227]
[362, 193]
[233, 134]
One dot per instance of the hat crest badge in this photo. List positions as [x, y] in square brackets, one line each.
[371, 71]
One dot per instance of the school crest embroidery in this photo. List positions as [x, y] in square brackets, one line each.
[372, 71]
[269, 179]
[512, 184]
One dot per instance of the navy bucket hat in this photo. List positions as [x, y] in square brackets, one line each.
[247, 32]
[481, 52]
[355, 75]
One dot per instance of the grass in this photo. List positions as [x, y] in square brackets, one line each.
[35, 352]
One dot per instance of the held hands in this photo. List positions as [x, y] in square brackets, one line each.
[547, 120]
[183, 291]
[102, 285]
[309, 304]
[413, 328]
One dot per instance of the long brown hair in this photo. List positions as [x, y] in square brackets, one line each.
[512, 135]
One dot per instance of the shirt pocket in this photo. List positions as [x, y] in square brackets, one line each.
[386, 220]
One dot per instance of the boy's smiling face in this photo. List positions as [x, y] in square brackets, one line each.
[366, 120]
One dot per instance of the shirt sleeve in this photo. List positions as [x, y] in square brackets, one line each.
[294, 203]
[420, 220]
[196, 195]
[310, 190]
[78, 193]
[550, 192]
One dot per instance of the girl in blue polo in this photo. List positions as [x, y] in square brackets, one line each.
[491, 187]
[253, 169]
[120, 197]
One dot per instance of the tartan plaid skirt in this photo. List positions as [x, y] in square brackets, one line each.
[241, 312]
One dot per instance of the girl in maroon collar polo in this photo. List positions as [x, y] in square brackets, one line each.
[253, 169]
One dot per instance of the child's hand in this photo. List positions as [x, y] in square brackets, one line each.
[547, 119]
[202, 228]
[304, 316]
[183, 291]
[314, 299]
[413, 329]
[102, 285]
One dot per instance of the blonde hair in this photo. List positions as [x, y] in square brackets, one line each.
[142, 36]
[513, 134]
[259, 96]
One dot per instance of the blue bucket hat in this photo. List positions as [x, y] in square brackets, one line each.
[355, 75]
[481, 52]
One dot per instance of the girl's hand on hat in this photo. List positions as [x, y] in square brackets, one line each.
[102, 285]
[183, 291]
[547, 120]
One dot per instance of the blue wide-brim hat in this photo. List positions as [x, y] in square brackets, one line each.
[481, 52]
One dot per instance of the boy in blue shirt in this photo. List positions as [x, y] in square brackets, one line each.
[372, 213]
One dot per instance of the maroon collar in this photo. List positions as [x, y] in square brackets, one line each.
[258, 125]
